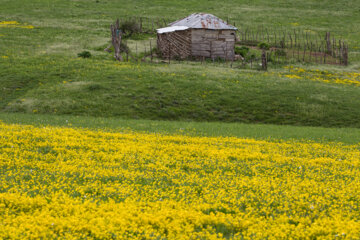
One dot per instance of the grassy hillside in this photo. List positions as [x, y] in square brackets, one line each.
[40, 71]
[176, 92]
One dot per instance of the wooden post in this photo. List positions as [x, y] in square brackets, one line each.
[307, 41]
[304, 53]
[151, 52]
[328, 42]
[263, 60]
[340, 52]
[144, 59]
[345, 54]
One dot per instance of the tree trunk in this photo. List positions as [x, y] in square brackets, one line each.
[116, 37]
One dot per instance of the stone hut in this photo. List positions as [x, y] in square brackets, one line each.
[199, 35]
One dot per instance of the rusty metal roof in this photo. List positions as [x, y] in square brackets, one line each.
[203, 20]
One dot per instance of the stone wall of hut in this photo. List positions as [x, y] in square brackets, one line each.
[213, 43]
[175, 44]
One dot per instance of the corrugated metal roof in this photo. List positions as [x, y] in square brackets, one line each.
[203, 20]
[171, 29]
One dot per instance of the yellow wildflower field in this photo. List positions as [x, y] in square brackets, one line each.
[59, 182]
[345, 78]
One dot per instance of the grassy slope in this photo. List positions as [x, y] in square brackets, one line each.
[180, 92]
[43, 75]
[257, 131]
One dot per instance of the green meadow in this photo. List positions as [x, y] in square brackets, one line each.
[40, 72]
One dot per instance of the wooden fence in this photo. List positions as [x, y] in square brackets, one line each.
[300, 45]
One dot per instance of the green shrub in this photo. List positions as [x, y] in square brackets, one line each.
[84, 54]
[129, 28]
[280, 52]
[250, 57]
[264, 46]
[243, 51]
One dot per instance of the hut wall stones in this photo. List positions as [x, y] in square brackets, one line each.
[198, 35]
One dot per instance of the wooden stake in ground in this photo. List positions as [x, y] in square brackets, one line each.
[328, 43]
[345, 54]
[304, 53]
[263, 60]
[116, 36]
[151, 52]
[333, 48]
[340, 52]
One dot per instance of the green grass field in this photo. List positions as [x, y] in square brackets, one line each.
[40, 71]
[212, 129]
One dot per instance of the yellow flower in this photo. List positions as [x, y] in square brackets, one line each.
[61, 182]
